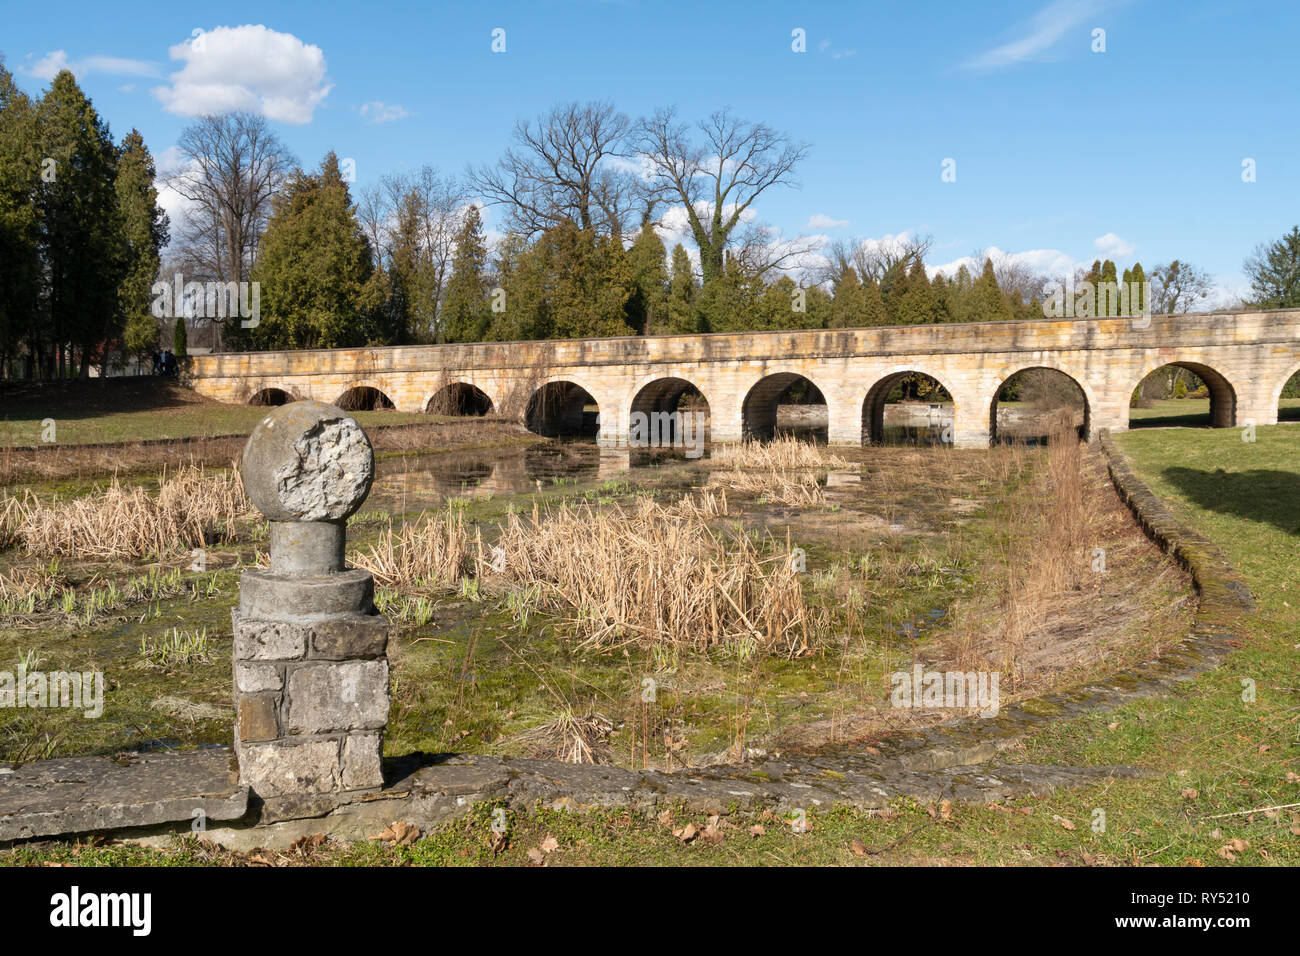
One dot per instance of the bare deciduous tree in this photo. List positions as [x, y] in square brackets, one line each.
[564, 167]
[231, 166]
[718, 178]
[1179, 287]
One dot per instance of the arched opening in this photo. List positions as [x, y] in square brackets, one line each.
[785, 404]
[907, 408]
[1183, 394]
[669, 414]
[364, 398]
[459, 398]
[563, 409]
[1288, 403]
[271, 396]
[1031, 405]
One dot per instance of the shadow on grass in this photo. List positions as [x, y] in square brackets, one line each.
[1268, 496]
[1188, 420]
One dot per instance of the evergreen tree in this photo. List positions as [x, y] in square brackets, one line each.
[20, 277]
[466, 310]
[987, 301]
[316, 271]
[145, 232]
[874, 312]
[849, 302]
[180, 338]
[681, 306]
[82, 252]
[916, 304]
[939, 285]
[1139, 295]
[1274, 271]
[648, 307]
[1108, 290]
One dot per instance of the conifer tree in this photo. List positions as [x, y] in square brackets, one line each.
[315, 270]
[144, 232]
[647, 307]
[849, 302]
[81, 237]
[466, 309]
[681, 306]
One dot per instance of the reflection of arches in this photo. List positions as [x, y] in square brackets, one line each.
[271, 396]
[758, 413]
[873, 406]
[660, 398]
[363, 398]
[459, 398]
[561, 408]
[1049, 392]
[1223, 397]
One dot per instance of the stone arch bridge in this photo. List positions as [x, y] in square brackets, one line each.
[1245, 359]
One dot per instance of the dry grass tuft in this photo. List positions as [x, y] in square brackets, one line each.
[433, 550]
[572, 738]
[190, 509]
[652, 576]
[781, 454]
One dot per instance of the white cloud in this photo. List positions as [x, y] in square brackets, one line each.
[377, 112]
[1051, 262]
[822, 221]
[48, 66]
[1039, 35]
[1112, 246]
[247, 68]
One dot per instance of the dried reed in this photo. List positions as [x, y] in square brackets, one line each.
[190, 509]
[649, 575]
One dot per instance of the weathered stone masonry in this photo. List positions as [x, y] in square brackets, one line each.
[311, 671]
[1245, 358]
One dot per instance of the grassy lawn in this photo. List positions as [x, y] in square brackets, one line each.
[1217, 763]
[132, 409]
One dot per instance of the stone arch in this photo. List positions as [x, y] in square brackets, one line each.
[873, 403]
[364, 398]
[459, 398]
[1223, 396]
[1293, 415]
[759, 410]
[558, 408]
[271, 396]
[660, 397]
[1083, 393]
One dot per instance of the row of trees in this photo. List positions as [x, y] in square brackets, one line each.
[80, 234]
[583, 192]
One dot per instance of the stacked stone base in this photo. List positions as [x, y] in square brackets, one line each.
[311, 689]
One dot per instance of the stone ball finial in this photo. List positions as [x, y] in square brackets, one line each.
[308, 461]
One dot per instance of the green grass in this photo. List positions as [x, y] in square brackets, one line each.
[134, 409]
[1215, 761]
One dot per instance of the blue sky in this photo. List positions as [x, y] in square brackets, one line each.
[1062, 154]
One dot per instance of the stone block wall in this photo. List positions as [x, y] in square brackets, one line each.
[311, 695]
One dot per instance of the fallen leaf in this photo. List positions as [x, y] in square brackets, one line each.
[1068, 824]
[687, 833]
[536, 856]
[757, 830]
[1113, 726]
[1189, 794]
[858, 848]
[550, 845]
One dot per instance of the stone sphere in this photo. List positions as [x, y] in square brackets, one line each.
[308, 461]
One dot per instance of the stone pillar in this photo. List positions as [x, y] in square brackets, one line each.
[310, 655]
